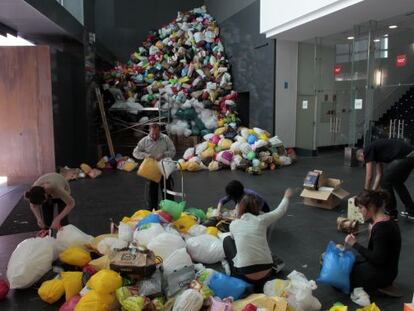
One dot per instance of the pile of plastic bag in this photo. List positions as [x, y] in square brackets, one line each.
[252, 150]
[181, 67]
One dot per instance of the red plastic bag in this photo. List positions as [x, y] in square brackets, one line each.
[70, 304]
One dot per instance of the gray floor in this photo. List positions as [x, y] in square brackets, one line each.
[299, 238]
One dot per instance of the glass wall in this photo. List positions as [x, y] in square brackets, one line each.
[357, 86]
[74, 7]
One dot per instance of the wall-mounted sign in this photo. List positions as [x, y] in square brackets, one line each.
[304, 104]
[358, 103]
[401, 60]
[337, 69]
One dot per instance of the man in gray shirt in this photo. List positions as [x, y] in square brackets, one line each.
[157, 146]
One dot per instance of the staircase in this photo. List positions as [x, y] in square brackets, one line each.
[403, 109]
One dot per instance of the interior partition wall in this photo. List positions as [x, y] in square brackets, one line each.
[356, 87]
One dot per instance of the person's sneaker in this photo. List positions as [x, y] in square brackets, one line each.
[278, 264]
[410, 215]
[360, 297]
[226, 266]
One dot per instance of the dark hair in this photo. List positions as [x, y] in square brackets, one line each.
[235, 190]
[36, 195]
[248, 204]
[372, 199]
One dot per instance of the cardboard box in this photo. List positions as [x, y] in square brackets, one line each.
[353, 211]
[328, 196]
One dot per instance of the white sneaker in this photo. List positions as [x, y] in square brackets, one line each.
[226, 266]
[360, 297]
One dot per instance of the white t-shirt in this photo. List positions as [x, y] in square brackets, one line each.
[249, 233]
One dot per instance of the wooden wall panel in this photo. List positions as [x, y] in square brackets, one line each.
[26, 117]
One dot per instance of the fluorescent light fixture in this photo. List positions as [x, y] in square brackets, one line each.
[11, 40]
[386, 35]
[3, 180]
[392, 26]
[351, 38]
[377, 40]
[378, 77]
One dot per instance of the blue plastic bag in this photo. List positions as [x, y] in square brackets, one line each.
[225, 286]
[336, 268]
[150, 219]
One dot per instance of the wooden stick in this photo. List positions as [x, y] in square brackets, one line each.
[105, 122]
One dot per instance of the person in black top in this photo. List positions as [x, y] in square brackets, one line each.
[377, 265]
[400, 158]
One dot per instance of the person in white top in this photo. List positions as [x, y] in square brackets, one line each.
[247, 250]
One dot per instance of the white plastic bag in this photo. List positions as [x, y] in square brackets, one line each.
[69, 236]
[299, 292]
[167, 166]
[275, 141]
[31, 259]
[205, 248]
[125, 232]
[201, 147]
[176, 261]
[107, 245]
[144, 236]
[165, 244]
[197, 230]
[189, 300]
[189, 153]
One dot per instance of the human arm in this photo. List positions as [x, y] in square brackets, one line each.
[70, 204]
[379, 253]
[139, 151]
[279, 212]
[369, 169]
[170, 152]
[378, 176]
[222, 202]
[36, 212]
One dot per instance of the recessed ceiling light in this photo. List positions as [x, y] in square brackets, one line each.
[350, 38]
[392, 26]
[377, 40]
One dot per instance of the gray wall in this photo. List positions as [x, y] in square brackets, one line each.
[252, 58]
[122, 25]
[224, 9]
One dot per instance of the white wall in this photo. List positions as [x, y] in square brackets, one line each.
[286, 71]
[223, 9]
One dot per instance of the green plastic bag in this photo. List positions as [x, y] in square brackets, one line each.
[196, 212]
[173, 208]
[128, 301]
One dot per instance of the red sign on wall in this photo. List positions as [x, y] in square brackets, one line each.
[401, 60]
[338, 69]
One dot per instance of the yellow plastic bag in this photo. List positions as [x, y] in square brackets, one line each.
[75, 256]
[208, 153]
[128, 301]
[72, 282]
[149, 170]
[129, 166]
[371, 307]
[138, 215]
[225, 144]
[105, 281]
[94, 301]
[220, 131]
[193, 166]
[85, 168]
[100, 263]
[182, 165]
[51, 291]
[261, 301]
[338, 307]
[185, 222]
[95, 241]
[212, 231]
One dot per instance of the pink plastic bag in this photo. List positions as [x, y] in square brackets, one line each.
[220, 305]
[70, 304]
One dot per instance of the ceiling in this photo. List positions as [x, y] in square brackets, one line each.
[22, 17]
[343, 21]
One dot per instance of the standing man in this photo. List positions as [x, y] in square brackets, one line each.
[157, 146]
[400, 158]
[50, 190]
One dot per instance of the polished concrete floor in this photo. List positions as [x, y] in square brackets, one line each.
[299, 238]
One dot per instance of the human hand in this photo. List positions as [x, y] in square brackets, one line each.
[55, 224]
[350, 240]
[289, 193]
[158, 157]
[41, 224]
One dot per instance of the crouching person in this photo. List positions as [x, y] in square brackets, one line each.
[247, 250]
[377, 266]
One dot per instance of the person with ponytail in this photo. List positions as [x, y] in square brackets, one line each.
[47, 191]
[377, 266]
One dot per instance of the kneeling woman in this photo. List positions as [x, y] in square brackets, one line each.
[247, 250]
[377, 267]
